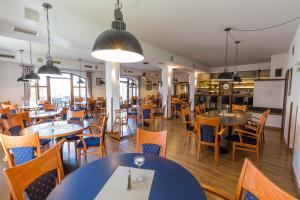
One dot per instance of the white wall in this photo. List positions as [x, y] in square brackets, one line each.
[143, 92]
[293, 62]
[10, 89]
[268, 94]
[279, 61]
[98, 91]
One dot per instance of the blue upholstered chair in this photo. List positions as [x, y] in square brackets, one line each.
[189, 125]
[209, 134]
[20, 149]
[146, 114]
[252, 185]
[37, 177]
[154, 143]
[177, 109]
[247, 140]
[92, 140]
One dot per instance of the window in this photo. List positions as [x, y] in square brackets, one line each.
[128, 88]
[60, 88]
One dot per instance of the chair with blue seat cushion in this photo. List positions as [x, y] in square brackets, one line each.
[92, 140]
[189, 130]
[177, 109]
[20, 149]
[37, 177]
[146, 114]
[248, 140]
[13, 125]
[152, 149]
[208, 134]
[252, 185]
[150, 141]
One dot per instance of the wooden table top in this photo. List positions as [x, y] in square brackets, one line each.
[60, 128]
[234, 118]
[41, 114]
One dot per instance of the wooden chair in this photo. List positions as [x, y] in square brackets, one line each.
[36, 177]
[189, 125]
[6, 103]
[248, 141]
[177, 107]
[20, 149]
[74, 117]
[208, 134]
[5, 114]
[93, 141]
[12, 107]
[252, 184]
[26, 119]
[91, 109]
[236, 107]
[41, 103]
[146, 137]
[200, 109]
[159, 113]
[146, 114]
[50, 107]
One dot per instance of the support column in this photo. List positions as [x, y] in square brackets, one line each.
[112, 91]
[167, 88]
[192, 83]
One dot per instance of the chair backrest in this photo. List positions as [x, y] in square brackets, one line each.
[253, 182]
[260, 128]
[25, 118]
[103, 128]
[200, 108]
[41, 103]
[208, 128]
[78, 99]
[146, 111]
[13, 125]
[49, 107]
[185, 114]
[12, 107]
[5, 113]
[28, 176]
[6, 102]
[236, 107]
[75, 115]
[22, 145]
[148, 137]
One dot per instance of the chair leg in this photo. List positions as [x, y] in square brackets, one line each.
[257, 157]
[79, 157]
[233, 152]
[198, 151]
[69, 148]
[216, 154]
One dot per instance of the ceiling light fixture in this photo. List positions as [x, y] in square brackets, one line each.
[80, 81]
[21, 79]
[49, 68]
[145, 68]
[117, 44]
[31, 76]
[236, 78]
[226, 76]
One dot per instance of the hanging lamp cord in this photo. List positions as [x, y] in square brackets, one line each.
[22, 65]
[226, 51]
[30, 54]
[236, 53]
[48, 31]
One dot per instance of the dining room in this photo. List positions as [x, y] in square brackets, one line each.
[104, 100]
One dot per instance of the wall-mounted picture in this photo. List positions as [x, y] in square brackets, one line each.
[98, 81]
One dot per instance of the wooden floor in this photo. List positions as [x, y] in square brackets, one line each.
[275, 161]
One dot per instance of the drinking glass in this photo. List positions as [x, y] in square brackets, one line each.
[139, 161]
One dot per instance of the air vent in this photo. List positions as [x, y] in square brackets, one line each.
[7, 56]
[56, 62]
[40, 60]
[31, 14]
[88, 66]
[25, 30]
[130, 72]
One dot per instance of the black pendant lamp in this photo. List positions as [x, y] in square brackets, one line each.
[31, 76]
[48, 68]
[117, 44]
[80, 81]
[145, 68]
[236, 78]
[226, 76]
[21, 78]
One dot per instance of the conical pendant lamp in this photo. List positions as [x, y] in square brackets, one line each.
[117, 44]
[48, 68]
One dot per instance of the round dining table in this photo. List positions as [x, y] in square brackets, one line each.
[170, 181]
[60, 128]
[41, 114]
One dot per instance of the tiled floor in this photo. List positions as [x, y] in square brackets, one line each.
[275, 160]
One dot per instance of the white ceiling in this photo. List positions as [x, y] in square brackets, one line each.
[190, 28]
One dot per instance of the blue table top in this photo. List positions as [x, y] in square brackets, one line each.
[171, 181]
